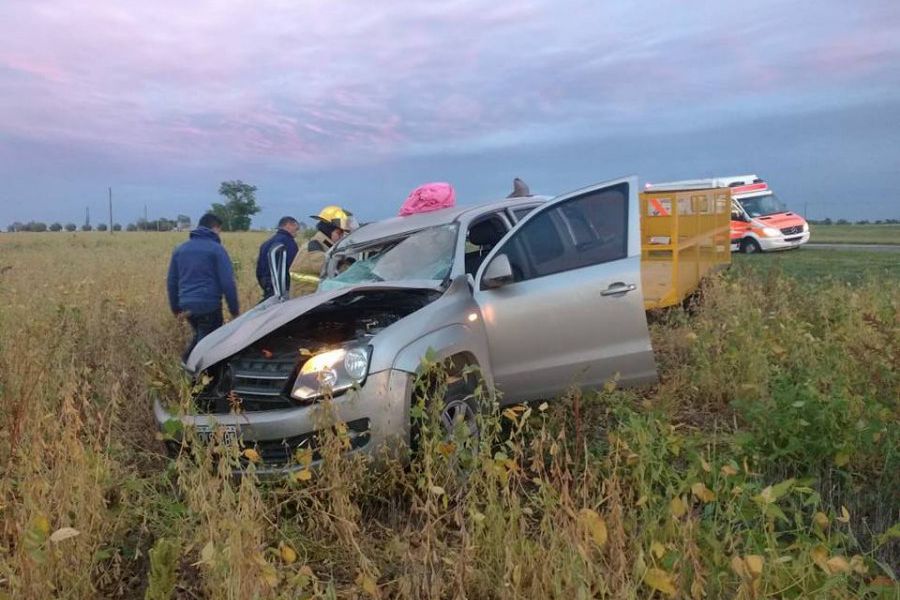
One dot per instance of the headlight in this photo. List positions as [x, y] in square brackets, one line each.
[805, 227]
[356, 363]
[331, 372]
[770, 232]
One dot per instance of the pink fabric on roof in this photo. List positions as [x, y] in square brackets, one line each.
[429, 197]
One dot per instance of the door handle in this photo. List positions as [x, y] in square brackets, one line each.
[618, 289]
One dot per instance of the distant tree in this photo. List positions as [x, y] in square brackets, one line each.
[826, 221]
[36, 226]
[879, 222]
[117, 227]
[17, 226]
[71, 227]
[843, 222]
[862, 222]
[131, 227]
[102, 227]
[183, 222]
[56, 227]
[239, 207]
[87, 227]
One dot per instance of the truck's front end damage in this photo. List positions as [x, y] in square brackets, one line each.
[270, 393]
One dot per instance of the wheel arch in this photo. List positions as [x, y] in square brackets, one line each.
[454, 342]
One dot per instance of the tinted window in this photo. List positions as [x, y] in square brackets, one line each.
[589, 229]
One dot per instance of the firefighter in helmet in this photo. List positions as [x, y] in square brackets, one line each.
[332, 223]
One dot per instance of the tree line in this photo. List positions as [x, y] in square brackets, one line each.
[236, 213]
[859, 222]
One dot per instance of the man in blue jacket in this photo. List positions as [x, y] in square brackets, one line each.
[200, 273]
[287, 231]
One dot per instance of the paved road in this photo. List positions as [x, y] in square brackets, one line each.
[866, 247]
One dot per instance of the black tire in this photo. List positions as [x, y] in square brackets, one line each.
[750, 246]
[458, 401]
[459, 406]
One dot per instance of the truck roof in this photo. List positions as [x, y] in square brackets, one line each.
[400, 225]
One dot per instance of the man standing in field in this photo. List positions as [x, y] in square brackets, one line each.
[200, 273]
[287, 231]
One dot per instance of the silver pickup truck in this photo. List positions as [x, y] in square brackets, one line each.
[538, 293]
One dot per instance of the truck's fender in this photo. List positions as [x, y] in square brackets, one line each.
[452, 340]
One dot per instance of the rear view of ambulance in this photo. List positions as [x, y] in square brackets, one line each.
[760, 222]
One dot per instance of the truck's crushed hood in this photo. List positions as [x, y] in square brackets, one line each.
[268, 316]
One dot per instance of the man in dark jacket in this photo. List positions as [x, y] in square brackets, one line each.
[200, 273]
[287, 231]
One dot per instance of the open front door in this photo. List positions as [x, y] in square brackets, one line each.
[561, 296]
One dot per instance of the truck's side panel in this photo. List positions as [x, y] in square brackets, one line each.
[684, 236]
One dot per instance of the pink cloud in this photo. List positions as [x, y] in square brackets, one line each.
[324, 82]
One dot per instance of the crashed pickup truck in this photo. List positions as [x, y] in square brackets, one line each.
[538, 293]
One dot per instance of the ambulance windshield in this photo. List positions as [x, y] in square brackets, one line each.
[760, 206]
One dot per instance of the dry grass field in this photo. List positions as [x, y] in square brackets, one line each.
[766, 463]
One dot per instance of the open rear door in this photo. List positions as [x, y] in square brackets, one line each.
[561, 296]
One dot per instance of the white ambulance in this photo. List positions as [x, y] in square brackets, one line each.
[759, 220]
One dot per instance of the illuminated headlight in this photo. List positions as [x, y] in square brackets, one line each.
[805, 227]
[331, 372]
[770, 232]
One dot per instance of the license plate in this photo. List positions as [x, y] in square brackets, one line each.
[229, 433]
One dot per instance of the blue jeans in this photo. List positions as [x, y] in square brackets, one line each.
[202, 325]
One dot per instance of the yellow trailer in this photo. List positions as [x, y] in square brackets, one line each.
[684, 237]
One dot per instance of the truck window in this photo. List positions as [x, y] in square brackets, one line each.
[521, 213]
[586, 230]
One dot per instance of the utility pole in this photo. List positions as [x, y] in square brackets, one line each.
[87, 215]
[110, 212]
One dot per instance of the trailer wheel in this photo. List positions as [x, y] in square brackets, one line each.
[750, 246]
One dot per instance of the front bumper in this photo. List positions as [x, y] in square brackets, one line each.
[783, 242]
[381, 404]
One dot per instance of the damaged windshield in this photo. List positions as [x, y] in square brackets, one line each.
[425, 254]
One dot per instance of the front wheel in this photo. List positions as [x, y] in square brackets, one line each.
[459, 416]
[750, 246]
[456, 412]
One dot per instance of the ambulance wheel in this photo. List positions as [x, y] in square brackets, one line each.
[750, 246]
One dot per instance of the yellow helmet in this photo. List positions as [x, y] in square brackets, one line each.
[338, 217]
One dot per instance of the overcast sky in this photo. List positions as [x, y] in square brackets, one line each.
[356, 103]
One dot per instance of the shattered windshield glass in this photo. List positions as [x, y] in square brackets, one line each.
[425, 254]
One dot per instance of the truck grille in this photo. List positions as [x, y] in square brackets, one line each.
[251, 382]
[792, 230]
[262, 383]
[261, 378]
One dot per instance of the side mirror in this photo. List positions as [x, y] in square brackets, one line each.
[498, 273]
[278, 270]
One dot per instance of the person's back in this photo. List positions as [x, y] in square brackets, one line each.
[287, 229]
[200, 273]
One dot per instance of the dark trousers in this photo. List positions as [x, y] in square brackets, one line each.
[203, 325]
